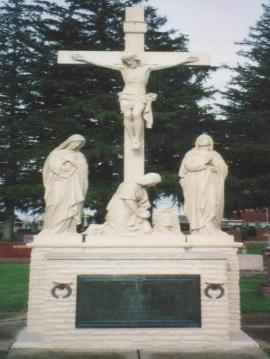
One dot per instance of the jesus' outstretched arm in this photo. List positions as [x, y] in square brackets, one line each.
[98, 62]
[108, 59]
[174, 60]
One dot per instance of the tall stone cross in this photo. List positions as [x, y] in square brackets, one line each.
[135, 65]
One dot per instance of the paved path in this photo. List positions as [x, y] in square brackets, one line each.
[9, 327]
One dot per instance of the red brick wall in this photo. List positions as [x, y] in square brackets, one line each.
[14, 251]
[254, 215]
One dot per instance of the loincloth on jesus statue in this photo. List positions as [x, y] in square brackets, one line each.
[138, 103]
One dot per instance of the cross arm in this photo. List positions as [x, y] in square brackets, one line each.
[163, 60]
[108, 59]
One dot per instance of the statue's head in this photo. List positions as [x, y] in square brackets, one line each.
[131, 60]
[74, 142]
[149, 180]
[204, 141]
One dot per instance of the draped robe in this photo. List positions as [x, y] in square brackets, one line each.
[65, 177]
[202, 175]
[119, 216]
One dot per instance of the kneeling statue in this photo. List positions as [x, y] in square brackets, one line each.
[128, 209]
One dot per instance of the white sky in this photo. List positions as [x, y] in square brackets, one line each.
[213, 27]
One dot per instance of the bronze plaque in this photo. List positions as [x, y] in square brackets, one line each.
[138, 301]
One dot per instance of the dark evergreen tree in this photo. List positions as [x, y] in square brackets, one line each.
[49, 102]
[84, 98]
[247, 124]
[20, 60]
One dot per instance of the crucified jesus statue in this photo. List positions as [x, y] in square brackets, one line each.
[135, 65]
[135, 103]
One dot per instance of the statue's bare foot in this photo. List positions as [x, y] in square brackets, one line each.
[136, 145]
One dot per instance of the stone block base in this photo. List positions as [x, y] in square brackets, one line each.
[240, 347]
[57, 265]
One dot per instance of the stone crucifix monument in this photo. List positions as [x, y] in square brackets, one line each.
[133, 288]
[135, 65]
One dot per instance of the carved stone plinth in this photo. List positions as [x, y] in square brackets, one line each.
[56, 265]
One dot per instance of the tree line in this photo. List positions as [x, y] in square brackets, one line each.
[42, 103]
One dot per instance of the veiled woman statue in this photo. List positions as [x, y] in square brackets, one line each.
[65, 178]
[202, 175]
[128, 209]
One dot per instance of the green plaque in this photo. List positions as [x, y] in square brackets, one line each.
[138, 301]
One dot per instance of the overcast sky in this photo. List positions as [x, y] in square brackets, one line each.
[213, 27]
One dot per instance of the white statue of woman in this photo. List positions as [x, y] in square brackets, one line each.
[65, 178]
[128, 209]
[202, 175]
[135, 103]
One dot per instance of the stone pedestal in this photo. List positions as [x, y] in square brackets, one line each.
[56, 264]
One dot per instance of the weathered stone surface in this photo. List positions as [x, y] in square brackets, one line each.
[248, 354]
[53, 263]
[50, 354]
[32, 354]
[65, 178]
[202, 176]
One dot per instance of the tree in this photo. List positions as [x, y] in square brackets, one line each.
[20, 58]
[62, 100]
[87, 96]
[247, 124]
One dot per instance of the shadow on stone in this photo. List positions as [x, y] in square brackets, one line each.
[249, 354]
[33, 354]
[46, 354]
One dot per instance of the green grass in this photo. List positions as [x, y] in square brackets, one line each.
[13, 287]
[252, 301]
[254, 248]
[14, 291]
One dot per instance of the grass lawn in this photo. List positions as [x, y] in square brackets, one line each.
[252, 300]
[13, 288]
[14, 291]
[255, 248]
